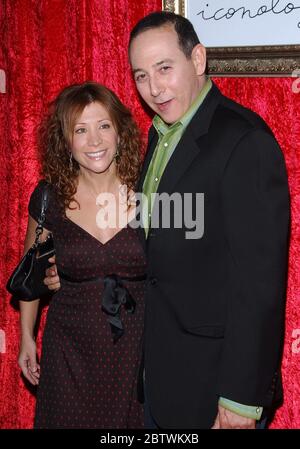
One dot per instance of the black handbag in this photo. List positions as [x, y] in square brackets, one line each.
[26, 282]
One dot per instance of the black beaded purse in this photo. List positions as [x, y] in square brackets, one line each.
[26, 282]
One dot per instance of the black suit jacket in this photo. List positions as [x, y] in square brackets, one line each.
[215, 305]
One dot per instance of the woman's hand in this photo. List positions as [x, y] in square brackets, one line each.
[27, 360]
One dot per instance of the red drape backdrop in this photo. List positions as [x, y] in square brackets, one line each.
[48, 44]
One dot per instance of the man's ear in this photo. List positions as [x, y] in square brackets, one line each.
[199, 58]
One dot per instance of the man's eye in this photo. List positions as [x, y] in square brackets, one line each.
[140, 77]
[165, 68]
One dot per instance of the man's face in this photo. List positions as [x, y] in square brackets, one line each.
[166, 80]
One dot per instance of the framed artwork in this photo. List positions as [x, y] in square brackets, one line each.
[246, 37]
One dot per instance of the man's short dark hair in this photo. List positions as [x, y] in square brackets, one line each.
[187, 36]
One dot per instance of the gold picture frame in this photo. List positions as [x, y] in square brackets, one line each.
[275, 61]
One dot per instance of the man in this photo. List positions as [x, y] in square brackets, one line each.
[215, 304]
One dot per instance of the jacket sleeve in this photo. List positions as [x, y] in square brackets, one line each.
[255, 203]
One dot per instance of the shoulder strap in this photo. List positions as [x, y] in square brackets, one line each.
[41, 219]
[44, 205]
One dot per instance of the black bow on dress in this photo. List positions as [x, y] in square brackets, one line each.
[114, 295]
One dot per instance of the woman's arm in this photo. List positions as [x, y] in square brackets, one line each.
[28, 313]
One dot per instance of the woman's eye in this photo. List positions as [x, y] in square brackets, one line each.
[105, 126]
[79, 130]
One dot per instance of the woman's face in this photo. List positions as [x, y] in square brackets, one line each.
[94, 139]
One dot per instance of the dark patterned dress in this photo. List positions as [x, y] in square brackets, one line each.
[86, 380]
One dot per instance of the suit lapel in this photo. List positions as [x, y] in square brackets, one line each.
[152, 141]
[181, 159]
[189, 145]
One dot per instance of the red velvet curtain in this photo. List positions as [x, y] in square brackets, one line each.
[48, 44]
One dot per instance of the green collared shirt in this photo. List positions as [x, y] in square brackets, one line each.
[168, 138]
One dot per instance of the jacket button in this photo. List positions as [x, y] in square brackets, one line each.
[153, 281]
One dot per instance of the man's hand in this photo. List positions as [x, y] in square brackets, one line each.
[52, 278]
[229, 420]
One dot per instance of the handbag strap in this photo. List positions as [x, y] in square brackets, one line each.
[41, 219]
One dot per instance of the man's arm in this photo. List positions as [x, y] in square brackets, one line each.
[255, 202]
[52, 278]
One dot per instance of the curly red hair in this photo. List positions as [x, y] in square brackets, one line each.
[56, 137]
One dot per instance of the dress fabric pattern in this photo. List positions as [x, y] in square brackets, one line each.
[86, 380]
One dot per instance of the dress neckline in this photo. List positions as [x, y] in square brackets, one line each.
[95, 238]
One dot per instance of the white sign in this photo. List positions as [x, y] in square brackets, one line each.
[238, 23]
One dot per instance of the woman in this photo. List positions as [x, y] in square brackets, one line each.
[92, 343]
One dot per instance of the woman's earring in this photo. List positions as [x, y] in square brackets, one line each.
[71, 161]
[117, 156]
